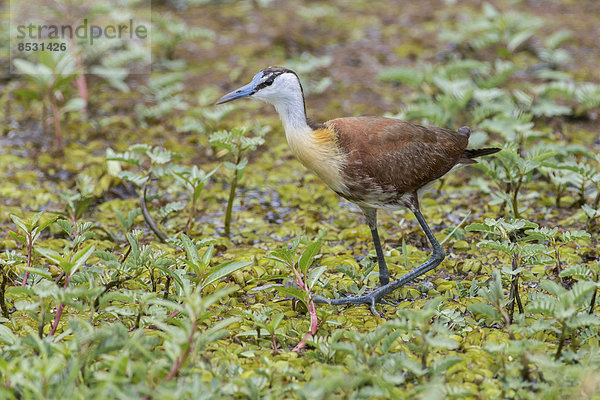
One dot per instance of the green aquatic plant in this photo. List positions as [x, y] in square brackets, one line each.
[511, 171]
[169, 31]
[200, 271]
[236, 144]
[508, 238]
[303, 281]
[193, 179]
[156, 163]
[149, 163]
[164, 96]
[51, 77]
[565, 310]
[30, 231]
[556, 241]
[139, 302]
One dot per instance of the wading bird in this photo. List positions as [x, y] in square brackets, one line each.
[373, 162]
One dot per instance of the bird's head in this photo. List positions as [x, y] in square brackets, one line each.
[272, 85]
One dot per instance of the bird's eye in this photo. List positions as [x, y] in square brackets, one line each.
[266, 82]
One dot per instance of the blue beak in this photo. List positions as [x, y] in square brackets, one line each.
[244, 91]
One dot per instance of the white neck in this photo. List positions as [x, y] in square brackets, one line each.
[293, 115]
[286, 95]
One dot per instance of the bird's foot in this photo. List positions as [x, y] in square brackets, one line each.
[370, 299]
[377, 295]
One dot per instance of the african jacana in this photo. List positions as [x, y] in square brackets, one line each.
[373, 162]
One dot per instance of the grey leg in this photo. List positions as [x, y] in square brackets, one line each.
[437, 256]
[384, 275]
[371, 214]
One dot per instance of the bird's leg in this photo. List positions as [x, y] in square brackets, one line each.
[371, 214]
[384, 276]
[437, 256]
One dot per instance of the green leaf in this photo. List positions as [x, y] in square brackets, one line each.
[190, 250]
[52, 256]
[173, 274]
[410, 76]
[207, 256]
[519, 39]
[552, 287]
[229, 165]
[242, 164]
[583, 319]
[75, 104]
[47, 223]
[442, 365]
[308, 256]
[137, 179]
[26, 67]
[28, 94]
[543, 304]
[38, 271]
[592, 213]
[314, 276]
[223, 270]
[276, 321]
[17, 237]
[570, 236]
[503, 246]
[479, 227]
[81, 257]
[159, 155]
[292, 292]
[577, 271]
[284, 256]
[19, 223]
[66, 226]
[485, 309]
[7, 336]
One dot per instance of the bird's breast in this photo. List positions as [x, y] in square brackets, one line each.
[319, 152]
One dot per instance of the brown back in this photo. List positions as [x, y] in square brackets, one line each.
[386, 154]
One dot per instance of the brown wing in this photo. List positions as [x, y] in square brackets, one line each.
[390, 155]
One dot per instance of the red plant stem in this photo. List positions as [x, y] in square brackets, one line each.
[312, 310]
[185, 355]
[56, 120]
[80, 81]
[59, 309]
[29, 251]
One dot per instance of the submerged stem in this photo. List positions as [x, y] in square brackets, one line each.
[181, 359]
[312, 310]
[192, 215]
[29, 253]
[3, 306]
[58, 140]
[230, 202]
[593, 302]
[160, 234]
[561, 342]
[60, 308]
[515, 196]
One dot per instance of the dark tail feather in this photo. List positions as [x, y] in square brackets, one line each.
[469, 154]
[474, 153]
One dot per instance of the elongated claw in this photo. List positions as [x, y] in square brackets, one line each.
[373, 310]
[369, 300]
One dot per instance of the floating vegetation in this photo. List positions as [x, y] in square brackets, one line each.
[175, 249]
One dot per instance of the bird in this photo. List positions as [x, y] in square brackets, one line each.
[373, 162]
